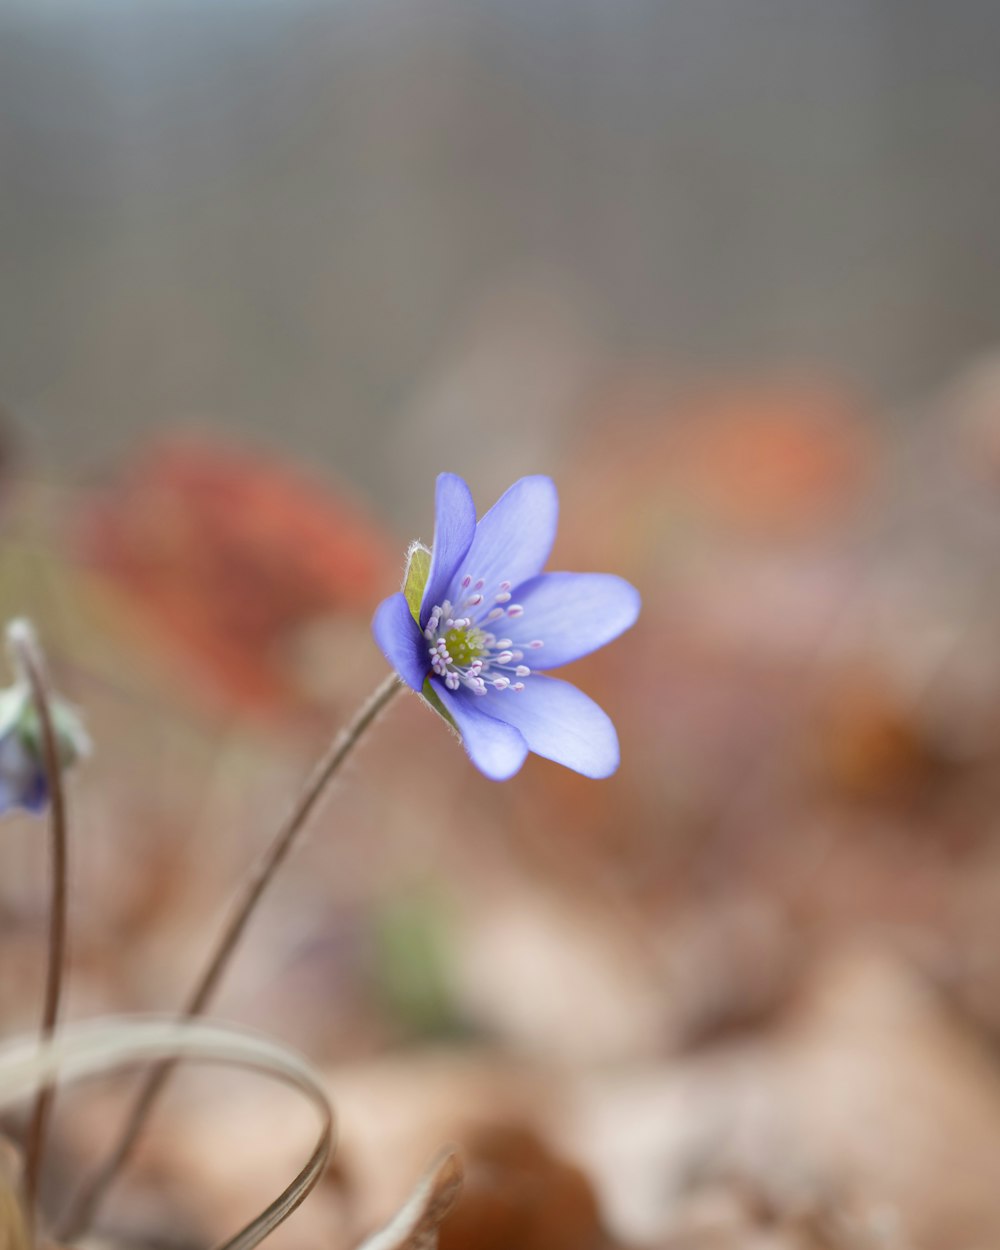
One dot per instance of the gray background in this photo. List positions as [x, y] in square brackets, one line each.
[360, 228]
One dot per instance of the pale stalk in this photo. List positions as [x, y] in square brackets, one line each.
[25, 653]
[84, 1208]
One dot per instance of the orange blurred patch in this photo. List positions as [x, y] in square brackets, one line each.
[774, 457]
[224, 553]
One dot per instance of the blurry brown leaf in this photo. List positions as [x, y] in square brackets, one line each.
[870, 743]
[519, 1194]
[226, 554]
[416, 1225]
[868, 1120]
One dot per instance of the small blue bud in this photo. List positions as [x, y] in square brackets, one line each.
[23, 780]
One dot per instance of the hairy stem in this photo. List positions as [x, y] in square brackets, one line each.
[29, 661]
[83, 1210]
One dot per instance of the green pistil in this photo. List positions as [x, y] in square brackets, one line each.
[464, 646]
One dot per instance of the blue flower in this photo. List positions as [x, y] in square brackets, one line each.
[22, 775]
[478, 624]
[23, 781]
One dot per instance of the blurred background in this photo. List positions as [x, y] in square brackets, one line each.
[728, 270]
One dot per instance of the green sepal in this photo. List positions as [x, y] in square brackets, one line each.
[429, 694]
[14, 701]
[418, 568]
[72, 741]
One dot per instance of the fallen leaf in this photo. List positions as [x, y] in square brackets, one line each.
[519, 1193]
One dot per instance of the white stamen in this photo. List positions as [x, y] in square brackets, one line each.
[487, 653]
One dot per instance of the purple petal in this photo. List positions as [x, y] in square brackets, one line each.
[573, 614]
[400, 640]
[22, 776]
[514, 538]
[454, 529]
[36, 797]
[559, 722]
[497, 749]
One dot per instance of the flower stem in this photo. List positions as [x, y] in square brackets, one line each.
[83, 1210]
[28, 659]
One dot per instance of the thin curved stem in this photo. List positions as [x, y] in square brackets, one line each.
[29, 660]
[84, 1208]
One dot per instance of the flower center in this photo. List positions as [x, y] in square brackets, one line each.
[463, 649]
[464, 645]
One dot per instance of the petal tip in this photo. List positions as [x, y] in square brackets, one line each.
[633, 598]
[605, 770]
[499, 774]
[498, 750]
[454, 530]
[451, 482]
[604, 756]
